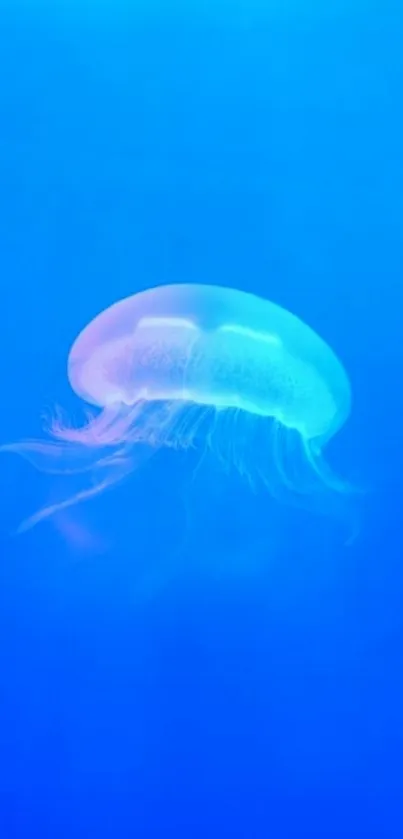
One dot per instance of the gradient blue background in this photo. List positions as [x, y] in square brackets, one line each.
[249, 684]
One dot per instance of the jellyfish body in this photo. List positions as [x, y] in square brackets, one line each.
[200, 366]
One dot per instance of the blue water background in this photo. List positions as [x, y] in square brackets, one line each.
[248, 684]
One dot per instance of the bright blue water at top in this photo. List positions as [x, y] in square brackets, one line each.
[248, 683]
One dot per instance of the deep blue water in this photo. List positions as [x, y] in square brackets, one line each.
[238, 672]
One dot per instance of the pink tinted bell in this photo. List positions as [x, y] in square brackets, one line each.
[111, 361]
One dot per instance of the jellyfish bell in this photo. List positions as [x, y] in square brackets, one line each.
[200, 366]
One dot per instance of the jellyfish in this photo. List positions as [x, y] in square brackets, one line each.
[199, 367]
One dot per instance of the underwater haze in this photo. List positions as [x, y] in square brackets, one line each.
[184, 654]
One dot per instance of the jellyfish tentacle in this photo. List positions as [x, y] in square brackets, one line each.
[112, 478]
[55, 458]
